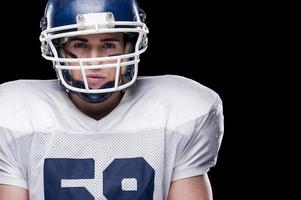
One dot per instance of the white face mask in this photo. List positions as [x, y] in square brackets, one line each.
[125, 66]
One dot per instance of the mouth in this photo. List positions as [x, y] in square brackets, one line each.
[95, 80]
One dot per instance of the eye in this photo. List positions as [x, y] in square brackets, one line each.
[79, 45]
[108, 45]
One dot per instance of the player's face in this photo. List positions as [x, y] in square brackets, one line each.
[94, 46]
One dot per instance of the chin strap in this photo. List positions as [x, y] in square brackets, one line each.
[93, 97]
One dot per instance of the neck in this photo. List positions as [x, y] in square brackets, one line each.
[97, 111]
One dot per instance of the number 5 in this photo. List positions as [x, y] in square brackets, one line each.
[56, 169]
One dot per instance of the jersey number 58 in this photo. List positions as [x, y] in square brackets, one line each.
[120, 170]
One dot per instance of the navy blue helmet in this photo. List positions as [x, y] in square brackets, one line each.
[64, 19]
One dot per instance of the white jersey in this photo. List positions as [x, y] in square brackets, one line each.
[165, 128]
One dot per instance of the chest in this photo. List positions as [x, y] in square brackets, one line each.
[100, 166]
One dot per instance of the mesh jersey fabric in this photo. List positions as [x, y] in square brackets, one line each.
[168, 125]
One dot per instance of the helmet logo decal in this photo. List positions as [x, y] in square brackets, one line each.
[95, 20]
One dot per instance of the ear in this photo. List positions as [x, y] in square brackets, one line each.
[127, 49]
[61, 52]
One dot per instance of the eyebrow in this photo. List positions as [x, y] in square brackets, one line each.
[110, 39]
[78, 38]
[102, 40]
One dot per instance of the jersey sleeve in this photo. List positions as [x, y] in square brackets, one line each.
[10, 170]
[198, 153]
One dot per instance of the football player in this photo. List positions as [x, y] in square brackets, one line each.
[100, 131]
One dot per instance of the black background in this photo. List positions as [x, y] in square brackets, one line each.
[212, 43]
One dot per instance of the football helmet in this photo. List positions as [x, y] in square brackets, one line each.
[64, 19]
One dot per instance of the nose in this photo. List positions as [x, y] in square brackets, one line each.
[95, 53]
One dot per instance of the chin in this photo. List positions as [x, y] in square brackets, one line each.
[98, 85]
